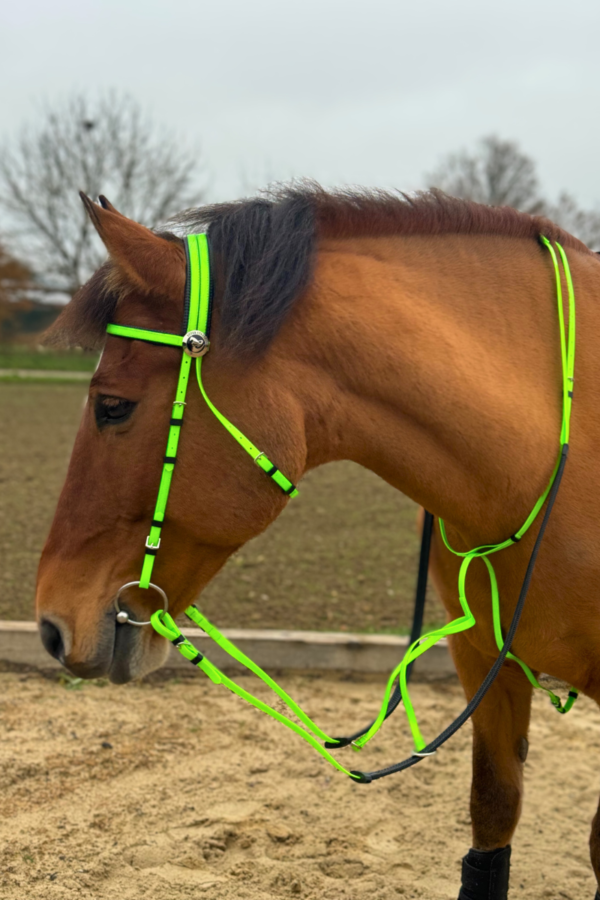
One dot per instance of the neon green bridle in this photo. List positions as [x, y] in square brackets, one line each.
[195, 344]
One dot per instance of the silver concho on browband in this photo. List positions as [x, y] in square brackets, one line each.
[196, 343]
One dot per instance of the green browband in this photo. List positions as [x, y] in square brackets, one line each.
[199, 280]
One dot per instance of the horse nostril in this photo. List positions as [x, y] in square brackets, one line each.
[52, 640]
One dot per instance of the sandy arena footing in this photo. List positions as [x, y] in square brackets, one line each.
[177, 789]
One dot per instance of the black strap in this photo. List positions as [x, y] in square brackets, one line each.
[415, 632]
[417, 625]
[367, 777]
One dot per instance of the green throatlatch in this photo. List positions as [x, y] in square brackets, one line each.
[195, 344]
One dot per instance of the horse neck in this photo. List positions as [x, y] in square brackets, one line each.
[435, 363]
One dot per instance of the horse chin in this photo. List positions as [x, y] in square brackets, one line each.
[137, 652]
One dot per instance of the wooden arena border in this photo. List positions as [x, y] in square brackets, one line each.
[273, 650]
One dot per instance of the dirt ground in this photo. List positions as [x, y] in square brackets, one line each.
[176, 790]
[342, 557]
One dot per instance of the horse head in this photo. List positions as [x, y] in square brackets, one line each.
[218, 501]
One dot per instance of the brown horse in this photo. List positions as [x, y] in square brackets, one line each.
[416, 336]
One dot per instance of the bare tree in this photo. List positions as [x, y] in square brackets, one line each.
[498, 173]
[583, 223]
[104, 146]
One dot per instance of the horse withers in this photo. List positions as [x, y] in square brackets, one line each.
[416, 336]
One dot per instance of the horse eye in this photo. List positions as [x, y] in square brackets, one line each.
[112, 410]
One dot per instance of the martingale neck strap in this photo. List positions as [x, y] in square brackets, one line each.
[195, 343]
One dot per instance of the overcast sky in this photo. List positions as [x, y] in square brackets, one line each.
[369, 92]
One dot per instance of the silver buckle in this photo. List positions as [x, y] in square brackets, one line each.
[123, 616]
[257, 457]
[150, 546]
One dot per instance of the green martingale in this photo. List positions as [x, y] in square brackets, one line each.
[198, 324]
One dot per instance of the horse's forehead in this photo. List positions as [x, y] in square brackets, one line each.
[133, 370]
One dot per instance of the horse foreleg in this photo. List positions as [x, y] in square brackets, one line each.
[595, 849]
[500, 727]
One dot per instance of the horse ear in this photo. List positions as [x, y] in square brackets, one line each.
[106, 204]
[150, 262]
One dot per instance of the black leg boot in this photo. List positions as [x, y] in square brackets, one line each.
[485, 875]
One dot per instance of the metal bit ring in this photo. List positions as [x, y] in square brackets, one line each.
[123, 617]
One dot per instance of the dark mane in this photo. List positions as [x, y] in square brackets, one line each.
[265, 249]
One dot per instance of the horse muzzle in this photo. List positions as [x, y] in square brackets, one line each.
[120, 652]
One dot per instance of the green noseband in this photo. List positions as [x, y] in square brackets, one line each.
[194, 344]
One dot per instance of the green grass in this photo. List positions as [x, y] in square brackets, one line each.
[13, 356]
